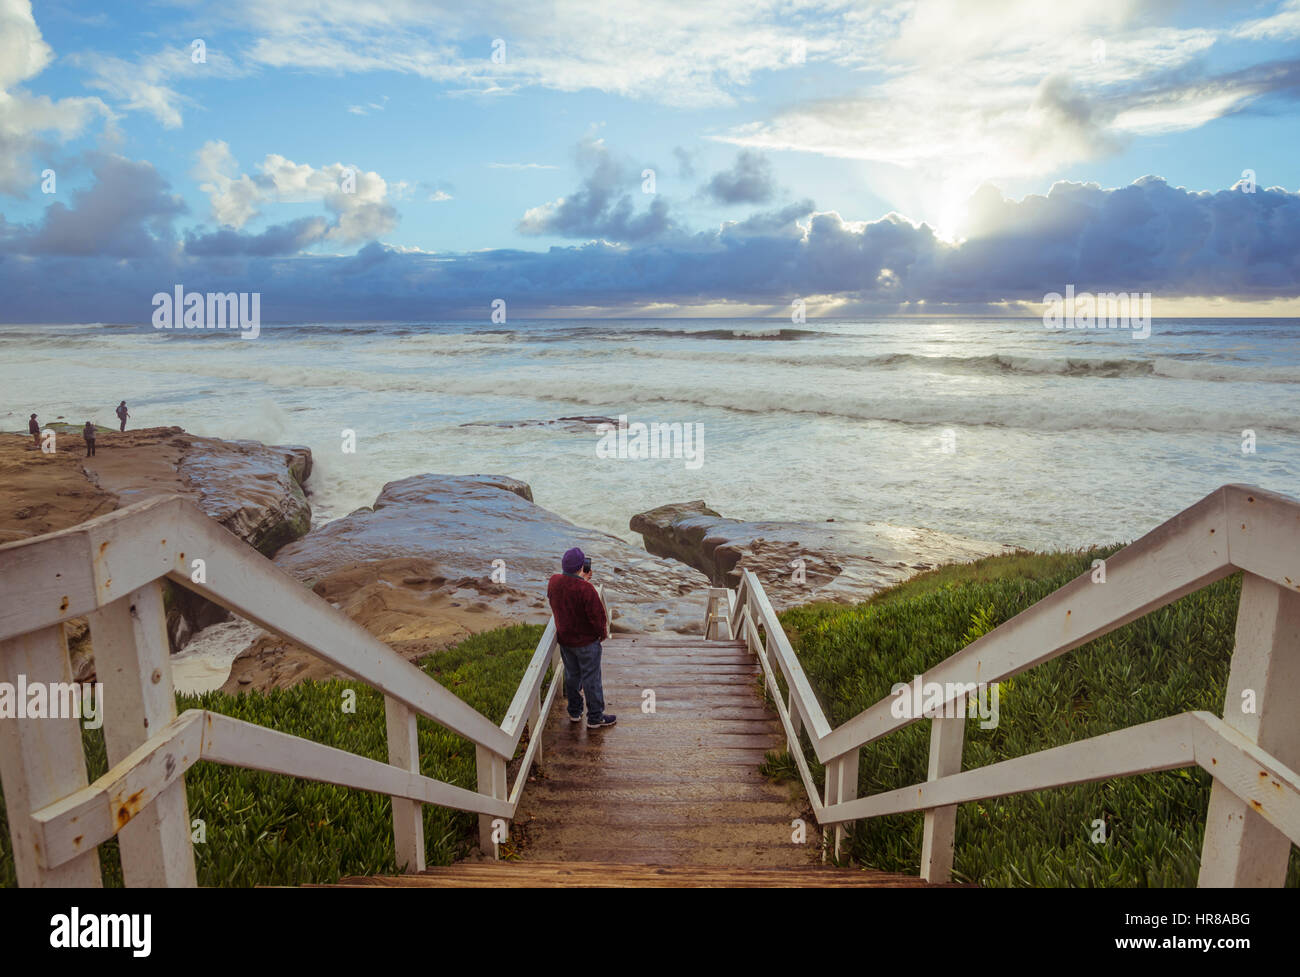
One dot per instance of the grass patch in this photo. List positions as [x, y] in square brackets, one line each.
[1171, 661]
[268, 829]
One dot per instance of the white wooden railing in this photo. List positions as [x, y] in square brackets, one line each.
[1252, 756]
[109, 570]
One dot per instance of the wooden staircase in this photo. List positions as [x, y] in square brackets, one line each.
[676, 786]
[585, 875]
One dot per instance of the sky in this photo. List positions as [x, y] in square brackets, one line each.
[349, 159]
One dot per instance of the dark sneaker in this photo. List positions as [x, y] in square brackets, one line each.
[605, 720]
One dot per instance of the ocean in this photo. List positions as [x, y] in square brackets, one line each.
[998, 429]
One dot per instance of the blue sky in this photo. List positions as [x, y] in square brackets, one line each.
[782, 137]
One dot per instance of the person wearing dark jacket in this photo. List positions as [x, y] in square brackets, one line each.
[580, 627]
[34, 429]
[88, 432]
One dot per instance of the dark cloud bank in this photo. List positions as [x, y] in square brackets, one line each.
[102, 258]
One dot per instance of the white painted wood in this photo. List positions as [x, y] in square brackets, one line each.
[1160, 745]
[946, 739]
[529, 691]
[841, 787]
[818, 728]
[132, 659]
[491, 771]
[1241, 847]
[1184, 554]
[240, 744]
[534, 752]
[408, 815]
[1264, 534]
[243, 581]
[792, 742]
[75, 824]
[1268, 787]
[44, 580]
[41, 761]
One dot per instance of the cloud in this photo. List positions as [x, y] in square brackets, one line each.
[24, 117]
[685, 164]
[127, 212]
[146, 84]
[602, 206]
[287, 238]
[357, 198]
[678, 53]
[749, 181]
[1148, 236]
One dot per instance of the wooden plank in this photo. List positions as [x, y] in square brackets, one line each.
[1160, 745]
[795, 679]
[240, 744]
[1264, 534]
[841, 785]
[132, 659]
[530, 686]
[534, 752]
[74, 825]
[939, 834]
[45, 581]
[408, 816]
[491, 770]
[1184, 554]
[1241, 847]
[70, 573]
[1268, 787]
[41, 761]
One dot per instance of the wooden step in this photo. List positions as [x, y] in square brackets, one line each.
[556, 874]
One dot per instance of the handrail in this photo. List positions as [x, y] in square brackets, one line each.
[109, 570]
[1235, 528]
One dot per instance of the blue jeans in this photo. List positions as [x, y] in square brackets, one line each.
[582, 673]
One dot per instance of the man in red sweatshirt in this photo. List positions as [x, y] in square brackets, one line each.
[580, 626]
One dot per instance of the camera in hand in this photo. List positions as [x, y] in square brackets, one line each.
[586, 565]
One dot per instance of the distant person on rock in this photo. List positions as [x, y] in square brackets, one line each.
[88, 432]
[123, 414]
[580, 627]
[34, 426]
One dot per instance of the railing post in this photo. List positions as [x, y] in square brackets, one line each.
[946, 739]
[132, 659]
[535, 723]
[41, 760]
[408, 815]
[841, 786]
[492, 783]
[1241, 848]
[773, 664]
[796, 720]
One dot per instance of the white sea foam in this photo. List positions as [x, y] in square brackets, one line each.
[1059, 439]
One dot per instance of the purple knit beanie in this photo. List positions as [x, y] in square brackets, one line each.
[571, 562]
